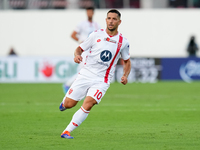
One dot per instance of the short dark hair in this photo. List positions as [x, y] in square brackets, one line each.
[115, 11]
[90, 8]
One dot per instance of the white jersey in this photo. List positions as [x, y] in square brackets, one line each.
[85, 28]
[104, 52]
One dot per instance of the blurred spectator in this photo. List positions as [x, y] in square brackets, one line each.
[110, 3]
[178, 3]
[86, 3]
[64, 4]
[80, 34]
[59, 4]
[192, 47]
[18, 4]
[134, 3]
[12, 52]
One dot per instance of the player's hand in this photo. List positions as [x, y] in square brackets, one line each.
[124, 80]
[78, 59]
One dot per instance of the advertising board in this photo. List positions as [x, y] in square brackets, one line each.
[59, 69]
[144, 70]
[186, 69]
[36, 69]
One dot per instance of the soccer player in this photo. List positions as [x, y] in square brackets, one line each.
[105, 47]
[84, 28]
[81, 32]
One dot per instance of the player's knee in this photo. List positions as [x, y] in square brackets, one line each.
[88, 104]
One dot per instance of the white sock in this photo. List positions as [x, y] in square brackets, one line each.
[77, 119]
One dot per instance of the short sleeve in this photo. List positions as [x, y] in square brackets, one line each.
[125, 52]
[88, 43]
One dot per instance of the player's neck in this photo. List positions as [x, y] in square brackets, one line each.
[111, 33]
[90, 19]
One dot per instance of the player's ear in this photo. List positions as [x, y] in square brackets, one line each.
[120, 21]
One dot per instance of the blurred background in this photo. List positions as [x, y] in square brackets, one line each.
[36, 43]
[101, 4]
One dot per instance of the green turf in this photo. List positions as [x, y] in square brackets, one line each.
[161, 116]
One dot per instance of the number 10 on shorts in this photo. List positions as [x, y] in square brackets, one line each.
[98, 95]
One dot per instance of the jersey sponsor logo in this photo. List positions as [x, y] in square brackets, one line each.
[110, 40]
[106, 56]
[101, 63]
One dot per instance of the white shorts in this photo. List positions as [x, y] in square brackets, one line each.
[84, 86]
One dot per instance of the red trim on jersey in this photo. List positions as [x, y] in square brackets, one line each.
[126, 59]
[86, 59]
[81, 49]
[118, 49]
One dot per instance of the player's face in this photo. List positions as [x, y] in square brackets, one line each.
[112, 21]
[90, 13]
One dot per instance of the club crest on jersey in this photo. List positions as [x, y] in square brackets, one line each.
[70, 91]
[106, 56]
[109, 40]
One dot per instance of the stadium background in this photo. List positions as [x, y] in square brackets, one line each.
[140, 116]
[39, 31]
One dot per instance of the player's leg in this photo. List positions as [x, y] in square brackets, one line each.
[80, 115]
[88, 103]
[67, 103]
[77, 91]
[94, 96]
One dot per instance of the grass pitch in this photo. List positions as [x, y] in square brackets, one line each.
[160, 116]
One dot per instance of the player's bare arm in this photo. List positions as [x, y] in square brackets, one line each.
[127, 69]
[77, 55]
[73, 35]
